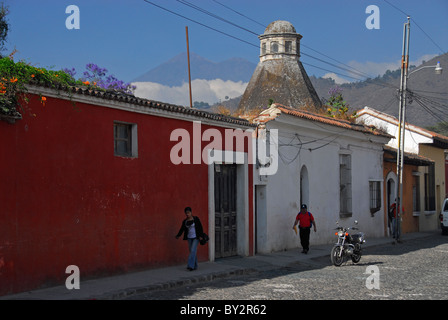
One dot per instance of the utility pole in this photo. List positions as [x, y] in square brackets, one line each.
[189, 75]
[401, 127]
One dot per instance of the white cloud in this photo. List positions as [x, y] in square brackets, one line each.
[375, 69]
[210, 91]
[335, 77]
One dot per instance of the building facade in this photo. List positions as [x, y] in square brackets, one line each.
[100, 180]
[333, 166]
[428, 180]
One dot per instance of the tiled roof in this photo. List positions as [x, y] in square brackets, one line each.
[323, 119]
[131, 99]
[439, 140]
[409, 158]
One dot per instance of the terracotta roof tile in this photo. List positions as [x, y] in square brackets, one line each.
[128, 98]
[331, 121]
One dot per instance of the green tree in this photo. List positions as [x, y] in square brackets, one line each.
[337, 107]
[441, 128]
[4, 27]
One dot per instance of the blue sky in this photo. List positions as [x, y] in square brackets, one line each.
[131, 37]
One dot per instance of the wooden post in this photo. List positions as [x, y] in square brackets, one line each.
[189, 76]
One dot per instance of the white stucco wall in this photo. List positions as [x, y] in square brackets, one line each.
[321, 159]
[413, 135]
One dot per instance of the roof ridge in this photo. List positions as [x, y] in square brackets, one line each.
[132, 99]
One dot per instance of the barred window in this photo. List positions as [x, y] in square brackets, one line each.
[375, 196]
[430, 192]
[125, 140]
[416, 193]
[345, 172]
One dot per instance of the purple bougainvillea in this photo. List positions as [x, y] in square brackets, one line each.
[97, 76]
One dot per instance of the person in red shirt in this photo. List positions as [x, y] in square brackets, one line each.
[393, 218]
[305, 220]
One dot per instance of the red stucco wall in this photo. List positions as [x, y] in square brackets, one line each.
[66, 199]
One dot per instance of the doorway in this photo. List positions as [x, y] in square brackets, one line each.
[225, 182]
[391, 189]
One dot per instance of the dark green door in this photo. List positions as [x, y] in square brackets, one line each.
[225, 210]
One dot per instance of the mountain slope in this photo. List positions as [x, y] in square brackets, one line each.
[381, 93]
[174, 72]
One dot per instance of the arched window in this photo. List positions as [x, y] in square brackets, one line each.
[263, 48]
[304, 186]
[288, 46]
[274, 47]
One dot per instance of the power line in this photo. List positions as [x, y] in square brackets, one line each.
[200, 23]
[379, 82]
[239, 13]
[429, 111]
[422, 101]
[364, 74]
[351, 69]
[186, 3]
[418, 26]
[356, 72]
[432, 40]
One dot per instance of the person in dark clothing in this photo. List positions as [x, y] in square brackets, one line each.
[192, 229]
[305, 220]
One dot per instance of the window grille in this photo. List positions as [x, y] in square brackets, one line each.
[345, 170]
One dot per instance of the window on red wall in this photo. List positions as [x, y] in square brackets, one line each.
[125, 139]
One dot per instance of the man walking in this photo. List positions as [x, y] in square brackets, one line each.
[305, 220]
[394, 218]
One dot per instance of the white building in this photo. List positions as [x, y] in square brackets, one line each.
[335, 167]
[431, 184]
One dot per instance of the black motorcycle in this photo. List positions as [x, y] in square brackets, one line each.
[348, 245]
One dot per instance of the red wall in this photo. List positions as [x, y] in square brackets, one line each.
[66, 199]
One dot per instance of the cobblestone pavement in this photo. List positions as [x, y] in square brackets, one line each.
[415, 269]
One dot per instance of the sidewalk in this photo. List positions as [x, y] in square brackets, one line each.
[121, 286]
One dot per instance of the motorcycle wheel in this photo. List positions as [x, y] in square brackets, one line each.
[356, 257]
[336, 257]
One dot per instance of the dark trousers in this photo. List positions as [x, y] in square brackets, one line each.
[305, 238]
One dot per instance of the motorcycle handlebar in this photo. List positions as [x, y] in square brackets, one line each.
[348, 228]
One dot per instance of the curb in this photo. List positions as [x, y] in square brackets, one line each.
[128, 292]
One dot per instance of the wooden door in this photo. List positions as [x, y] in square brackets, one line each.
[225, 210]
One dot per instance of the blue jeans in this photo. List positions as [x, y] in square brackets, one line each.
[193, 248]
[394, 229]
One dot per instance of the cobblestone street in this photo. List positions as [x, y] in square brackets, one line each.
[414, 269]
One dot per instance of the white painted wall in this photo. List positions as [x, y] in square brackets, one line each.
[282, 191]
[413, 135]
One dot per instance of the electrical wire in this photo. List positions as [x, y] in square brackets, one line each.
[240, 14]
[422, 101]
[418, 26]
[184, 2]
[200, 23]
[348, 69]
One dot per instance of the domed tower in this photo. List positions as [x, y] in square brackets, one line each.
[279, 76]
